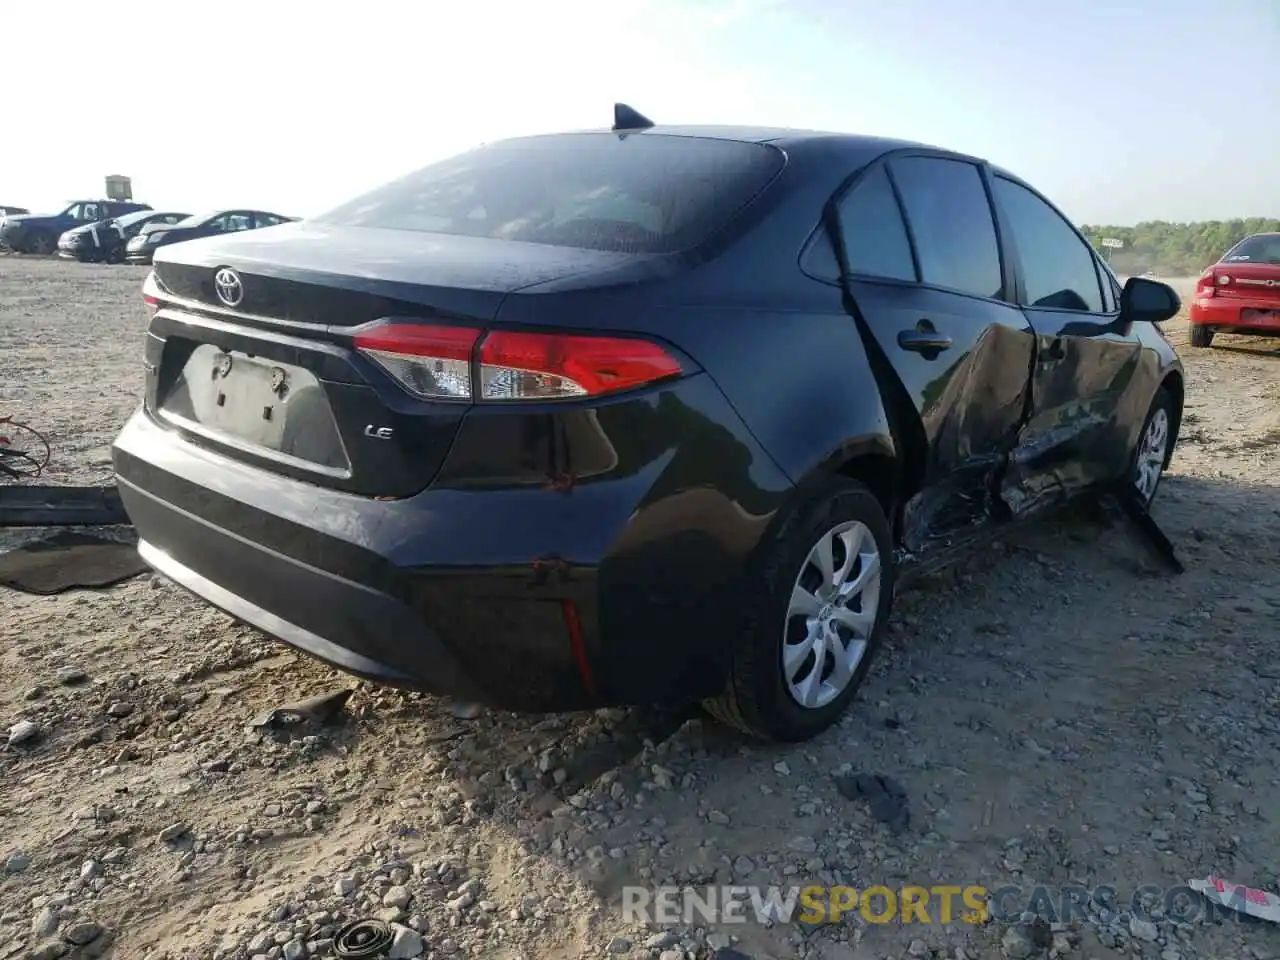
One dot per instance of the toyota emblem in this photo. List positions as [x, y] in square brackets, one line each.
[226, 283]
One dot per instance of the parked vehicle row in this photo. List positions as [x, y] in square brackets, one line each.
[38, 233]
[590, 419]
[113, 231]
[105, 242]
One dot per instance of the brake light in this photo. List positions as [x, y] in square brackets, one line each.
[1208, 284]
[431, 362]
[151, 291]
[435, 362]
[548, 366]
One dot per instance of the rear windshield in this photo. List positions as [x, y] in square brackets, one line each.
[644, 193]
[1264, 248]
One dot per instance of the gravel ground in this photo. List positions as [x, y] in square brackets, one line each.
[1059, 711]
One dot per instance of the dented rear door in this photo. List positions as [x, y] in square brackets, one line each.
[923, 269]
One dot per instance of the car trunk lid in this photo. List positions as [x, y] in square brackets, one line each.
[1251, 281]
[266, 372]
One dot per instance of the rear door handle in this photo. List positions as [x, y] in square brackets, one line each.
[924, 339]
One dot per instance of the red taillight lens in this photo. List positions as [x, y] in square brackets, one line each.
[435, 362]
[151, 291]
[431, 362]
[549, 366]
[1209, 284]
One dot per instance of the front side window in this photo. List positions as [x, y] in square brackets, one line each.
[643, 193]
[91, 212]
[951, 222]
[1058, 267]
[871, 228]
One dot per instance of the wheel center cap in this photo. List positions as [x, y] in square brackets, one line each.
[826, 611]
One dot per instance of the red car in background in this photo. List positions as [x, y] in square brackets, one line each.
[1240, 293]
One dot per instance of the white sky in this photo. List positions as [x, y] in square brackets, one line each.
[295, 107]
[1112, 107]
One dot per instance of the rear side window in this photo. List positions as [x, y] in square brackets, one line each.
[1059, 269]
[644, 193]
[875, 238]
[951, 222]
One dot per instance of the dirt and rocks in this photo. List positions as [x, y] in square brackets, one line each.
[1059, 712]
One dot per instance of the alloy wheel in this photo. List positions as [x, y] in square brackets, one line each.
[1152, 450]
[831, 614]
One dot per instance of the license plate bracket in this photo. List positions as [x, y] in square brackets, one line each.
[257, 403]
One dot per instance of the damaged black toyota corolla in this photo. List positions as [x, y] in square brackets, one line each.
[631, 416]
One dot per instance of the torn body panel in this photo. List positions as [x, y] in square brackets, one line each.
[957, 410]
[1091, 388]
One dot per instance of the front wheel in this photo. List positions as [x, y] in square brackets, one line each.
[1152, 452]
[1201, 336]
[817, 614]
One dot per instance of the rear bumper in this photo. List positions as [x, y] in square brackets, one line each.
[523, 598]
[1221, 313]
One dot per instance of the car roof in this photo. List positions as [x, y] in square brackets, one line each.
[796, 141]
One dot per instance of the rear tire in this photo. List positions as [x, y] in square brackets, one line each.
[41, 244]
[1201, 336]
[802, 637]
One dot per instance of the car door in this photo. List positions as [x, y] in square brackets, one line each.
[1092, 380]
[923, 270]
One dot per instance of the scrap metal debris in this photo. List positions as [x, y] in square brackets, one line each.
[18, 462]
[316, 710]
[52, 506]
[886, 796]
[1124, 499]
[1236, 896]
[24, 455]
[362, 939]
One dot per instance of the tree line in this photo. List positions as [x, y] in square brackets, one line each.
[1174, 249]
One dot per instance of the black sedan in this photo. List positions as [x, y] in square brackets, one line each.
[104, 242]
[639, 415]
[141, 248]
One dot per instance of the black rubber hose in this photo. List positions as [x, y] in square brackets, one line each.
[362, 939]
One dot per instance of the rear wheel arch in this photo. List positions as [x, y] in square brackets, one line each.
[1174, 384]
[872, 462]
[881, 474]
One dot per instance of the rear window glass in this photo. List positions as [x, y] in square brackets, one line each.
[644, 193]
[1260, 249]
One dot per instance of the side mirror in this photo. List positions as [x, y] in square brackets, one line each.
[1148, 301]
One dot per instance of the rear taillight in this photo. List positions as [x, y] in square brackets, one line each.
[541, 366]
[151, 291]
[1207, 285]
[442, 362]
[431, 362]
